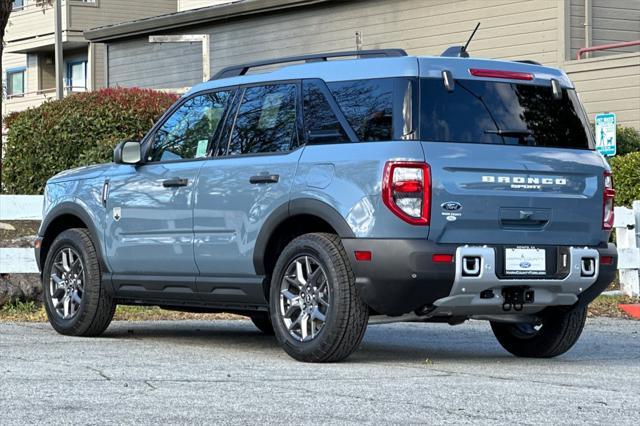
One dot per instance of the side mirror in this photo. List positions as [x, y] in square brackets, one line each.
[127, 152]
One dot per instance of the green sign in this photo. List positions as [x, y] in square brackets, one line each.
[606, 134]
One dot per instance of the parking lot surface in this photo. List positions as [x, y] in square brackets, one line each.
[227, 372]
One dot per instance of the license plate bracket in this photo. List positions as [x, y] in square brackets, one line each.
[525, 261]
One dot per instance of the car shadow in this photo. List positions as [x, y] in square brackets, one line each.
[403, 342]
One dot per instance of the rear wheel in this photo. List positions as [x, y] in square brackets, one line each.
[553, 336]
[75, 301]
[316, 311]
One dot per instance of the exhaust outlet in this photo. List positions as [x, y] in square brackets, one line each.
[471, 266]
[588, 267]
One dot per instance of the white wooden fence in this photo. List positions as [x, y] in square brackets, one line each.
[19, 207]
[627, 225]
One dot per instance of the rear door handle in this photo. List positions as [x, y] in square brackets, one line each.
[264, 179]
[175, 182]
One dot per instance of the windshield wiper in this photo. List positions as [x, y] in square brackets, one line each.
[509, 132]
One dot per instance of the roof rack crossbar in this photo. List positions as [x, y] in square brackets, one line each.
[242, 69]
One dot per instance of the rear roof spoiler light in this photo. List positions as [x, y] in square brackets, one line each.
[511, 75]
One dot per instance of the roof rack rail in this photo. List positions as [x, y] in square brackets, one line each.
[242, 69]
[528, 61]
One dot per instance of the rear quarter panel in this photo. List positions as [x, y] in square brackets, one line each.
[348, 178]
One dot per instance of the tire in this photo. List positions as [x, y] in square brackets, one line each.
[336, 299]
[94, 312]
[263, 323]
[559, 331]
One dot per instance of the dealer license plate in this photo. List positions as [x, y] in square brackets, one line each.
[525, 261]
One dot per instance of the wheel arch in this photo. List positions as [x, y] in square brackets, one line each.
[66, 216]
[299, 216]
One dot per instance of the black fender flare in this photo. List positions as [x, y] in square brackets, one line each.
[73, 209]
[296, 207]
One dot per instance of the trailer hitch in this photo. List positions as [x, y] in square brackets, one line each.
[516, 297]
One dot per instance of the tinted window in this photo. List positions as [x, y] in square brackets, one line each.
[187, 132]
[501, 113]
[320, 122]
[266, 120]
[368, 106]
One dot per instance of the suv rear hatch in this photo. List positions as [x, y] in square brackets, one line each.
[511, 162]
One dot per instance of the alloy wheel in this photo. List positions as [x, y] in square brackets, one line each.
[66, 284]
[304, 298]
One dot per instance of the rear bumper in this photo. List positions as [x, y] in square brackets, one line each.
[402, 277]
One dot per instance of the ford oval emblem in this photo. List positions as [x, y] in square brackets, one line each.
[451, 206]
[525, 265]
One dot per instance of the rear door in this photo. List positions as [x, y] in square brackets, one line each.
[250, 176]
[511, 164]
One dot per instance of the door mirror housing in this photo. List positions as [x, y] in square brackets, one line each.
[127, 152]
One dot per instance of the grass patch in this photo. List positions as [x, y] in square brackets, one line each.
[30, 312]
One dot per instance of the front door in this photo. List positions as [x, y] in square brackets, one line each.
[240, 187]
[149, 232]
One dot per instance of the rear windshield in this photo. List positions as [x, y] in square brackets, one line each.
[501, 113]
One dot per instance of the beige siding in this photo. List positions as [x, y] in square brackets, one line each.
[13, 60]
[612, 21]
[510, 29]
[195, 4]
[106, 12]
[32, 78]
[610, 84]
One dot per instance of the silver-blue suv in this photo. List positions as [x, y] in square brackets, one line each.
[329, 194]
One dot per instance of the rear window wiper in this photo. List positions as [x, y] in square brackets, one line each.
[509, 132]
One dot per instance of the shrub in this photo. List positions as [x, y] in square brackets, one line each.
[78, 130]
[626, 177]
[627, 140]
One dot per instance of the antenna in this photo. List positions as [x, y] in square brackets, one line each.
[463, 51]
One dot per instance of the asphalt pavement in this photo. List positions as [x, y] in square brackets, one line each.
[227, 372]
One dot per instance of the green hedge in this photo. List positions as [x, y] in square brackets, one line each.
[81, 129]
[626, 178]
[627, 140]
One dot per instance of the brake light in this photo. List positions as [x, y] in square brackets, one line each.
[406, 190]
[608, 197]
[511, 75]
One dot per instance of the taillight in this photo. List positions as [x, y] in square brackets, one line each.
[607, 201]
[406, 191]
[511, 75]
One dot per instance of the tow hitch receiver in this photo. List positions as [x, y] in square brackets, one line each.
[516, 298]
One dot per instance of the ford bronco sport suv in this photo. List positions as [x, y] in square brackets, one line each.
[325, 195]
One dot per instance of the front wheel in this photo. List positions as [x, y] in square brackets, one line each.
[76, 302]
[316, 311]
[553, 336]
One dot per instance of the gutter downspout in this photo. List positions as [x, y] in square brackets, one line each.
[588, 25]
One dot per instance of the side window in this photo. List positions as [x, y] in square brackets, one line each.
[368, 106]
[187, 132]
[266, 120]
[320, 122]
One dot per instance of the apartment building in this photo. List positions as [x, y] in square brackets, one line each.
[28, 59]
[548, 31]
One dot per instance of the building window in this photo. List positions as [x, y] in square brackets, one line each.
[18, 5]
[76, 76]
[15, 81]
